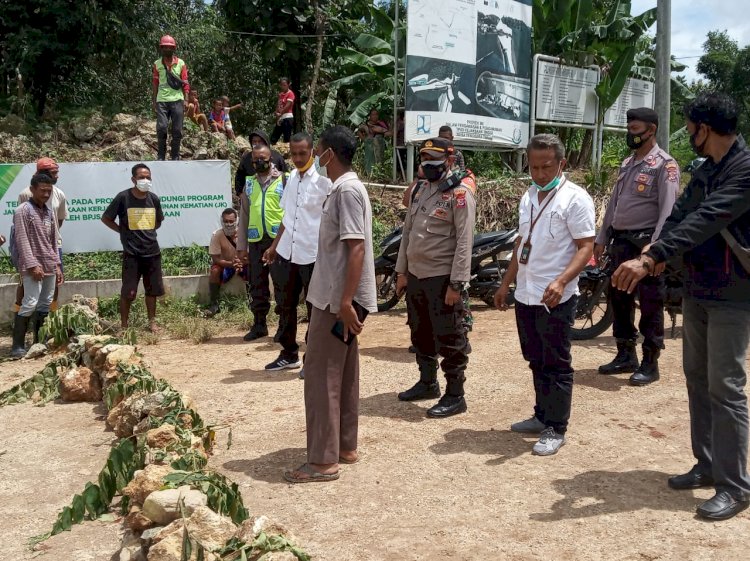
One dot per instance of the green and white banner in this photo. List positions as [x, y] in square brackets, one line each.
[192, 193]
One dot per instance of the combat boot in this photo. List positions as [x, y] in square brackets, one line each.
[648, 371]
[427, 387]
[258, 331]
[452, 403]
[20, 325]
[625, 361]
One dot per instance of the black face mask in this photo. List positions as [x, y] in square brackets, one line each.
[697, 149]
[636, 140]
[262, 166]
[433, 173]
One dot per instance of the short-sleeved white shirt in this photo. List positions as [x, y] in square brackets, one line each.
[568, 217]
[302, 203]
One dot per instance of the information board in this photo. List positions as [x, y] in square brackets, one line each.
[566, 94]
[636, 93]
[468, 66]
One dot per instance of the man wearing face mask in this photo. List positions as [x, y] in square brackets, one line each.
[641, 201]
[433, 266]
[260, 220]
[138, 214]
[709, 228]
[292, 254]
[245, 168]
[169, 97]
[224, 260]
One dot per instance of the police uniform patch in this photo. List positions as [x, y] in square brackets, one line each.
[442, 204]
[651, 161]
[642, 178]
[673, 172]
[440, 213]
[446, 196]
[641, 188]
[460, 196]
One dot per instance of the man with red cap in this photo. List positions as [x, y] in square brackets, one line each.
[169, 97]
[57, 203]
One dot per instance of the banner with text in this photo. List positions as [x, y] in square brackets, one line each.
[468, 66]
[192, 193]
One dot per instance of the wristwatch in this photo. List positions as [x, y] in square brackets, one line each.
[458, 286]
[645, 263]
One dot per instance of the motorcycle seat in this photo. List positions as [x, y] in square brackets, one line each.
[492, 238]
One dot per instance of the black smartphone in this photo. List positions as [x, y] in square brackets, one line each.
[338, 328]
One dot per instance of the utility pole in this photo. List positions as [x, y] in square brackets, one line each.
[394, 126]
[663, 70]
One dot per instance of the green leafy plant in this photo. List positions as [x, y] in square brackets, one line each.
[43, 385]
[67, 322]
[237, 550]
[223, 497]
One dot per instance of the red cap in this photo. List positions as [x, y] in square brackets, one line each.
[43, 164]
[167, 41]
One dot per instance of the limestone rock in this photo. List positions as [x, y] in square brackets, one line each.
[91, 340]
[123, 122]
[209, 528]
[279, 556]
[131, 549]
[162, 507]
[126, 415]
[85, 129]
[37, 350]
[145, 482]
[162, 437]
[175, 527]
[136, 521]
[123, 353]
[168, 549]
[252, 528]
[80, 384]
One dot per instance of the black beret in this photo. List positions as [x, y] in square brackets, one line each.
[645, 114]
[442, 145]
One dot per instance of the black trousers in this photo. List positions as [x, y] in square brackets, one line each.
[651, 292]
[437, 329]
[169, 113]
[259, 279]
[284, 128]
[290, 279]
[545, 343]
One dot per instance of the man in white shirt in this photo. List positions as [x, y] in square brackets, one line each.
[295, 248]
[557, 229]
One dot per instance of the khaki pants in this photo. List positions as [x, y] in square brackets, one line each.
[331, 391]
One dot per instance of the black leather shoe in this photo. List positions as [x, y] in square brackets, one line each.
[421, 390]
[625, 361]
[694, 479]
[447, 406]
[721, 506]
[257, 332]
[644, 376]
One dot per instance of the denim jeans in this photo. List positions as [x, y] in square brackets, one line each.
[715, 340]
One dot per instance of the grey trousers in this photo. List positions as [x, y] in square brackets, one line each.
[166, 112]
[715, 342]
[331, 391]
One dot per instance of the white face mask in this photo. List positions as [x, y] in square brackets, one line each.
[322, 170]
[143, 185]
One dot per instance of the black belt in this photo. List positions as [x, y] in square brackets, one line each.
[633, 234]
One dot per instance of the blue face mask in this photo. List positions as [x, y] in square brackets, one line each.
[551, 185]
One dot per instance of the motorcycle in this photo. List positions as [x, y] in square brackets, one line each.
[490, 258]
[594, 315]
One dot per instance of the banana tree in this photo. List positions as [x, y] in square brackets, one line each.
[367, 70]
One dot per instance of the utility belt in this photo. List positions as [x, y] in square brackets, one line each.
[639, 238]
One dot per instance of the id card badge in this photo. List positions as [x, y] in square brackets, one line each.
[523, 257]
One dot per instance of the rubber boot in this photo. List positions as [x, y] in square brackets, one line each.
[648, 371]
[214, 291]
[36, 324]
[427, 387]
[259, 330]
[20, 325]
[452, 403]
[625, 361]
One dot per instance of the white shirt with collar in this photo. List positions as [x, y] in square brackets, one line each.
[302, 203]
[568, 217]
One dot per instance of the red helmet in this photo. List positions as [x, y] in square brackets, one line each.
[167, 41]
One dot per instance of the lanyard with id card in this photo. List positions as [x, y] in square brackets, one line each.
[523, 257]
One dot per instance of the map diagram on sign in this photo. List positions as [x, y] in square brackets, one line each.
[443, 29]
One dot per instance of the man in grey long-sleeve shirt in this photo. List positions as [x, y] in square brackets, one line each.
[642, 200]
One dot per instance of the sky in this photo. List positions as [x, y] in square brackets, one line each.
[693, 19]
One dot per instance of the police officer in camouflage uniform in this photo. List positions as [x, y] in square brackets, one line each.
[433, 266]
[642, 200]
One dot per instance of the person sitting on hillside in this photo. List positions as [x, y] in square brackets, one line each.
[228, 121]
[194, 111]
[373, 132]
[247, 168]
[224, 260]
[217, 118]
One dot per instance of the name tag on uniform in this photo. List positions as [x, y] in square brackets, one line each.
[440, 213]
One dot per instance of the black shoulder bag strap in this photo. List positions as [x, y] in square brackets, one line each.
[742, 254]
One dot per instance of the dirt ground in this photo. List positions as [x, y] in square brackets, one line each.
[463, 488]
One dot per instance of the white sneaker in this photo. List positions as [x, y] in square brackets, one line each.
[549, 443]
[533, 426]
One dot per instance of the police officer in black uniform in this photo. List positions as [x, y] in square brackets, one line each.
[641, 201]
[434, 265]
